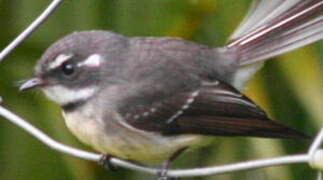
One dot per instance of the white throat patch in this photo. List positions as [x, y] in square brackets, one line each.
[59, 60]
[63, 95]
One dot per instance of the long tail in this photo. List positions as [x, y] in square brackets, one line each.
[273, 27]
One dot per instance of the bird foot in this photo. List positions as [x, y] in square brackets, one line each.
[162, 175]
[106, 163]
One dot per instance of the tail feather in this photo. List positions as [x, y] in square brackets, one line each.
[260, 13]
[281, 43]
[271, 28]
[274, 27]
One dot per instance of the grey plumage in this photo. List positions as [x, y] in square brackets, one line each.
[144, 98]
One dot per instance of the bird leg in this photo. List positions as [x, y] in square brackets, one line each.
[106, 163]
[162, 175]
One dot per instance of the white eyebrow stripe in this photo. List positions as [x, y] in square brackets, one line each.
[93, 60]
[59, 60]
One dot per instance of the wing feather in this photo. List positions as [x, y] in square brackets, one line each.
[217, 109]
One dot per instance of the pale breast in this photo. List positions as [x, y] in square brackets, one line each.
[117, 138]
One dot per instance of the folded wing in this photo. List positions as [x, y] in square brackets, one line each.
[213, 109]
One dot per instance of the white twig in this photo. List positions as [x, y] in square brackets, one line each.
[292, 159]
[303, 158]
[46, 139]
[314, 157]
[31, 28]
[316, 143]
[61, 147]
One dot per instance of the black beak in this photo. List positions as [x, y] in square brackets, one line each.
[31, 83]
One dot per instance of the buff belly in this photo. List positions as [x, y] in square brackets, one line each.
[123, 141]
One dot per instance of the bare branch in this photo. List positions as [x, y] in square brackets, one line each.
[315, 158]
[317, 142]
[31, 28]
[44, 138]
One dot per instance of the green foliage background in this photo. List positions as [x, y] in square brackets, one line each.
[289, 87]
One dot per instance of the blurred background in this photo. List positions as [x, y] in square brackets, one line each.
[289, 87]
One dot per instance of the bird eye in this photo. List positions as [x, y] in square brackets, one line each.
[68, 69]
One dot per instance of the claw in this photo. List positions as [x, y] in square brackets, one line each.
[106, 163]
[162, 175]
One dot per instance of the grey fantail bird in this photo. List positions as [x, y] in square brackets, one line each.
[148, 98]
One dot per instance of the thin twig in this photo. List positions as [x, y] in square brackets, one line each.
[45, 138]
[303, 158]
[31, 28]
[259, 163]
[312, 157]
[316, 143]
[315, 160]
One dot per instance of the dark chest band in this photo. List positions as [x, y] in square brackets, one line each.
[69, 107]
